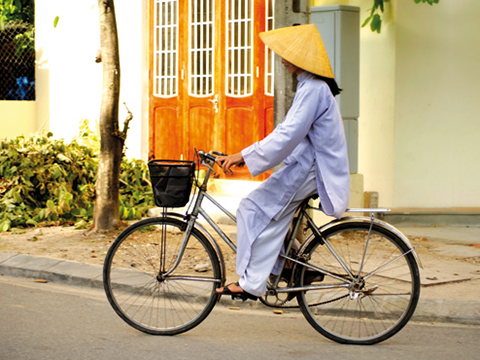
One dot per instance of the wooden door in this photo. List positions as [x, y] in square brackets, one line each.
[211, 84]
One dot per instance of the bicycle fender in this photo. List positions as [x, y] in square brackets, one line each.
[380, 223]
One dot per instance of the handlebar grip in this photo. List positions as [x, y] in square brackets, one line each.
[219, 153]
[206, 155]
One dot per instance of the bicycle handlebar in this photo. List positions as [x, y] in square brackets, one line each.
[203, 155]
[218, 153]
[212, 155]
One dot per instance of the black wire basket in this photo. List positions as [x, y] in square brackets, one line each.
[171, 181]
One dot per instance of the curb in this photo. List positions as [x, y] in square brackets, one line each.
[465, 312]
[66, 272]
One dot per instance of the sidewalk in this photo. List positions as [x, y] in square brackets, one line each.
[450, 276]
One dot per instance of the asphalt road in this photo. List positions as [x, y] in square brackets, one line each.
[51, 321]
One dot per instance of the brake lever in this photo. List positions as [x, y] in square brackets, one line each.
[208, 166]
[216, 153]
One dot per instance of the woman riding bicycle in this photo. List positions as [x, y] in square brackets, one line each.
[310, 142]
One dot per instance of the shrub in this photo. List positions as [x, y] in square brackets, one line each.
[44, 181]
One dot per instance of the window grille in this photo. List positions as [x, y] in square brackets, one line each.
[269, 54]
[17, 62]
[239, 56]
[165, 48]
[201, 47]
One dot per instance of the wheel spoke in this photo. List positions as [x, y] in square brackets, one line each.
[143, 297]
[382, 298]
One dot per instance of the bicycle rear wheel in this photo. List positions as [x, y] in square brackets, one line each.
[141, 290]
[379, 295]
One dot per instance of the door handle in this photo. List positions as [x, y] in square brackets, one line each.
[214, 101]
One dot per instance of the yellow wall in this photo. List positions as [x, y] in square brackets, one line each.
[377, 96]
[17, 118]
[419, 125]
[437, 112]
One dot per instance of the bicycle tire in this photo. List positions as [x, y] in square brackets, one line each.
[384, 297]
[139, 292]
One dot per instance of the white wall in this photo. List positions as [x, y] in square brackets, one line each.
[68, 79]
[437, 112]
[69, 82]
[132, 22]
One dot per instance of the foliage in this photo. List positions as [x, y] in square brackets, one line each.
[44, 181]
[21, 14]
[16, 10]
[25, 43]
[136, 195]
[375, 18]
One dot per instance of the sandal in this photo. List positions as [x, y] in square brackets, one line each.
[243, 295]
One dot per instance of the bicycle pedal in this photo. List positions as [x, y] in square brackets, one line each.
[244, 297]
[239, 297]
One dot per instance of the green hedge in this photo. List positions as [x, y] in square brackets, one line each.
[45, 181]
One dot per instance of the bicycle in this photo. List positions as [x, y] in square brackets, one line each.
[160, 274]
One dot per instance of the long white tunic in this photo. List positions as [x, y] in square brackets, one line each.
[312, 129]
[311, 134]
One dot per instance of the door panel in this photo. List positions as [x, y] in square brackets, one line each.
[241, 128]
[201, 130]
[209, 88]
[164, 133]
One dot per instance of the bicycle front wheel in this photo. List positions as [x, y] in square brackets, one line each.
[146, 290]
[371, 280]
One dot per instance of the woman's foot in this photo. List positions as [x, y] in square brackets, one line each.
[236, 291]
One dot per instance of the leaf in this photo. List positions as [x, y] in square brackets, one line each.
[82, 224]
[50, 205]
[367, 20]
[5, 226]
[41, 281]
[41, 214]
[18, 5]
[63, 158]
[17, 197]
[79, 212]
[131, 214]
[378, 4]
[376, 24]
[55, 21]
[31, 222]
[430, 2]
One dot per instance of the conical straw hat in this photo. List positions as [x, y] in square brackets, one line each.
[302, 46]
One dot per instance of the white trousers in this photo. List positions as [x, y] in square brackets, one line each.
[263, 252]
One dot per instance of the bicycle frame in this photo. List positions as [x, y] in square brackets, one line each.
[303, 213]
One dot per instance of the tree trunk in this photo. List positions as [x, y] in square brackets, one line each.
[107, 204]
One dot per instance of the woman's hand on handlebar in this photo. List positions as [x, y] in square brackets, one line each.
[226, 162]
